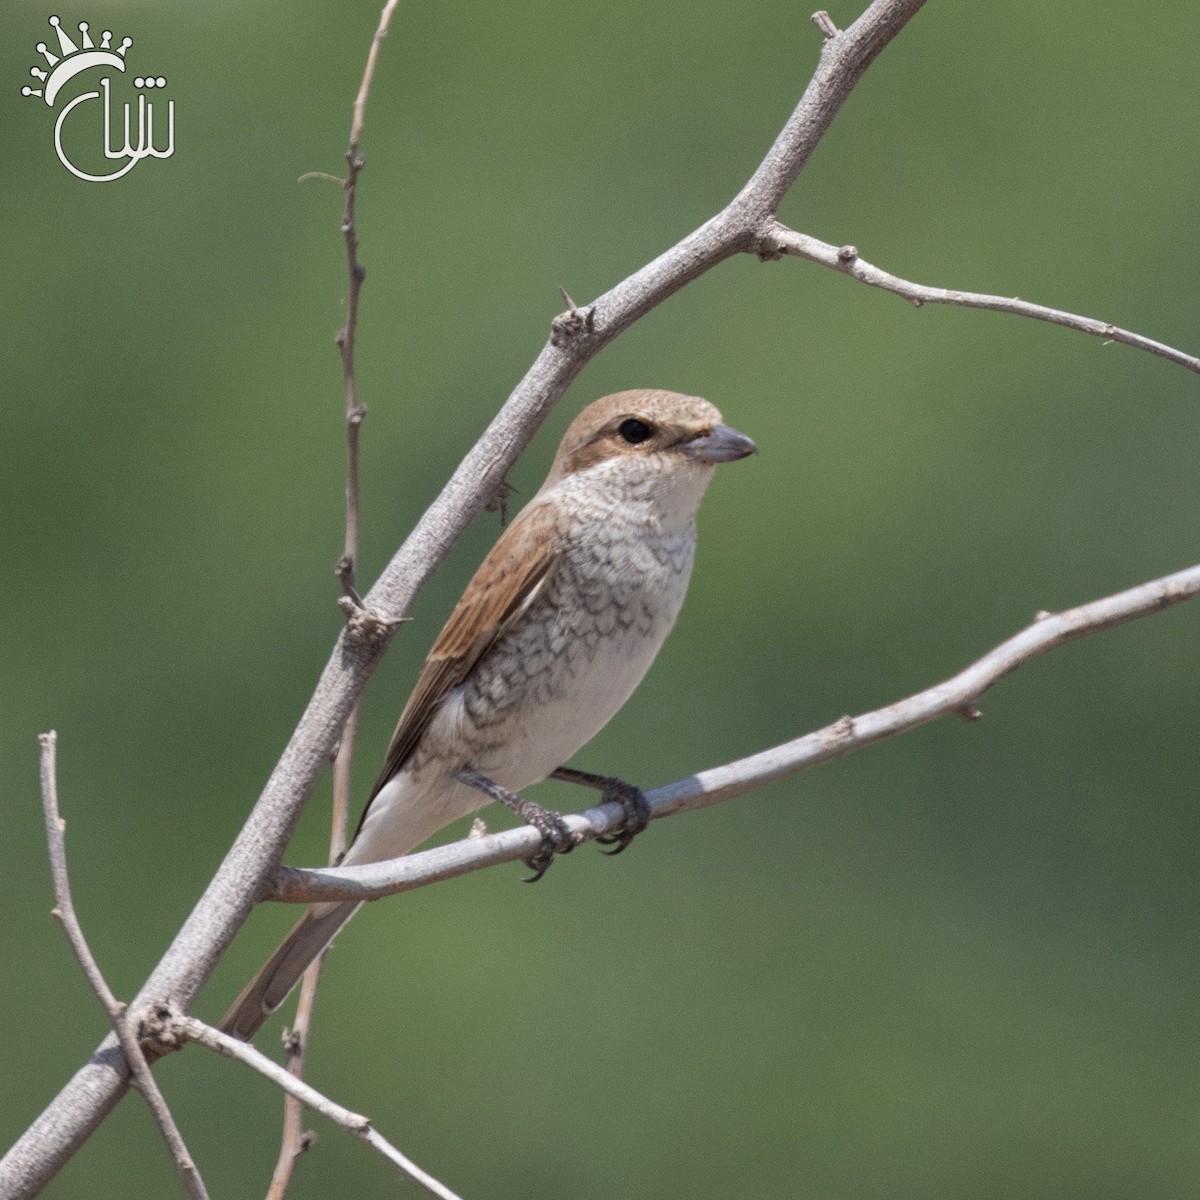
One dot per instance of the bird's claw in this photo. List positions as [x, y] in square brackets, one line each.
[636, 810]
[556, 838]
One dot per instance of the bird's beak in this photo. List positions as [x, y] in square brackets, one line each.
[720, 444]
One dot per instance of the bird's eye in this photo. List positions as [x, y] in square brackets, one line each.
[634, 431]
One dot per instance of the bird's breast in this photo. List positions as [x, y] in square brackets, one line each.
[556, 678]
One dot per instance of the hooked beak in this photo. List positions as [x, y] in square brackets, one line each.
[720, 444]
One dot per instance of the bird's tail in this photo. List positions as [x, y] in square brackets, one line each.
[270, 987]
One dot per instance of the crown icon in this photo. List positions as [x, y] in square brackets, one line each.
[72, 59]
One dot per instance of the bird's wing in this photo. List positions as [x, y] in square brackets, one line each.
[505, 585]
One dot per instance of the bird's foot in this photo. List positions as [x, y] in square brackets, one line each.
[556, 837]
[636, 810]
[632, 800]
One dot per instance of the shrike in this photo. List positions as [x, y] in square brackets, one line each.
[556, 629]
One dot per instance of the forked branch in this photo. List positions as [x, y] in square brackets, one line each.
[779, 240]
[64, 911]
[189, 1029]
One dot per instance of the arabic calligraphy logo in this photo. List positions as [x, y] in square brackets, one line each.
[74, 60]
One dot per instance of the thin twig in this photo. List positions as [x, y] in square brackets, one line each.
[957, 695]
[355, 413]
[779, 239]
[294, 1140]
[364, 88]
[824, 22]
[189, 1029]
[64, 911]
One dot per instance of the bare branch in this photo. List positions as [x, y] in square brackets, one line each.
[779, 239]
[364, 88]
[293, 1141]
[355, 413]
[189, 1029]
[824, 22]
[64, 911]
[956, 695]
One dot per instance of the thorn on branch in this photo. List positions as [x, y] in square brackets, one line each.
[573, 323]
[969, 711]
[307, 1138]
[1041, 614]
[824, 22]
[357, 415]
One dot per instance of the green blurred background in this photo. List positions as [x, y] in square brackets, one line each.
[959, 964]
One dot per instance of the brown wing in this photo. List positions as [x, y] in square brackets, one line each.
[504, 586]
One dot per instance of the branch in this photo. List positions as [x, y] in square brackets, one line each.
[189, 1029]
[779, 240]
[957, 694]
[347, 568]
[294, 1141]
[64, 911]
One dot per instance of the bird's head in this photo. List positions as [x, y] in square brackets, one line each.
[647, 445]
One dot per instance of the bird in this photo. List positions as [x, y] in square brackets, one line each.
[552, 635]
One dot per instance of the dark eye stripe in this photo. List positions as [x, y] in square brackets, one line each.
[634, 431]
